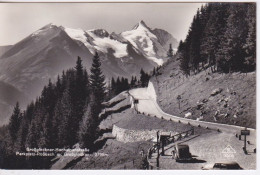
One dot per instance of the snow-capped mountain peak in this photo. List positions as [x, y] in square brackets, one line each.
[140, 24]
[45, 29]
[143, 40]
[50, 25]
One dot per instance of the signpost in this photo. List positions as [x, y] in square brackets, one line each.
[163, 137]
[245, 133]
[136, 101]
[158, 150]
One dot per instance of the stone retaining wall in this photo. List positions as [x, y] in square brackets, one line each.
[128, 135]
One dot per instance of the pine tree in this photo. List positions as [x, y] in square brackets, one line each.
[48, 98]
[113, 83]
[125, 85]
[32, 137]
[65, 127]
[26, 119]
[14, 122]
[213, 35]
[195, 43]
[63, 80]
[21, 135]
[170, 51]
[28, 114]
[86, 82]
[144, 78]
[59, 88]
[234, 38]
[39, 116]
[184, 63]
[57, 120]
[113, 87]
[88, 131]
[133, 82]
[97, 80]
[118, 85]
[184, 55]
[46, 136]
[250, 45]
[78, 93]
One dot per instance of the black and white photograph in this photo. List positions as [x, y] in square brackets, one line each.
[128, 86]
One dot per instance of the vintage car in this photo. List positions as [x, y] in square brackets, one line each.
[222, 166]
[181, 152]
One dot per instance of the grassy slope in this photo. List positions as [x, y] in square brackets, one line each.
[135, 121]
[115, 155]
[237, 100]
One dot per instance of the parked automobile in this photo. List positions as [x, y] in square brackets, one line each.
[222, 166]
[181, 152]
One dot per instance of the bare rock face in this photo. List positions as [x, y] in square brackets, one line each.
[117, 37]
[101, 33]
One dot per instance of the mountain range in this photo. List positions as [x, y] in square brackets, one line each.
[26, 66]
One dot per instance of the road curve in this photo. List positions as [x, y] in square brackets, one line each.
[148, 105]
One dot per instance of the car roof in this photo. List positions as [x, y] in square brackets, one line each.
[183, 145]
[227, 163]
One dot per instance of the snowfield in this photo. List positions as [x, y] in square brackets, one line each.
[78, 34]
[100, 44]
[141, 38]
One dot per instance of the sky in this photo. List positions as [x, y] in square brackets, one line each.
[18, 20]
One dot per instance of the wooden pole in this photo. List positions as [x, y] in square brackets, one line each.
[163, 143]
[245, 143]
[158, 148]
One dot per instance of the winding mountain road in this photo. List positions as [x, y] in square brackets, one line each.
[148, 105]
[209, 146]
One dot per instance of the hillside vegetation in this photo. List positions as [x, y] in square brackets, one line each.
[221, 36]
[222, 98]
[213, 71]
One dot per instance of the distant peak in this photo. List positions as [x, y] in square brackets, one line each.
[48, 26]
[142, 24]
